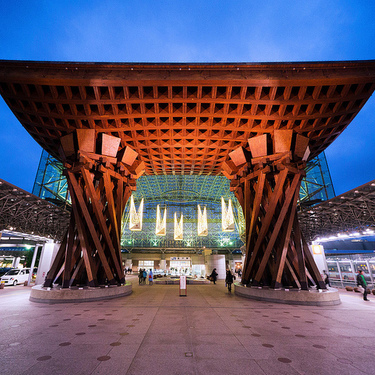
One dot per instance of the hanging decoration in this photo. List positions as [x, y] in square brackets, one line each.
[135, 222]
[202, 221]
[227, 217]
[178, 227]
[161, 223]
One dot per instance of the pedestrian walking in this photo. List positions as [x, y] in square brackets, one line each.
[229, 280]
[361, 282]
[213, 276]
[150, 277]
[326, 278]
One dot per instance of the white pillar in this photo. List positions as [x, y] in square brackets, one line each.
[16, 262]
[128, 263]
[33, 263]
[319, 257]
[215, 261]
[163, 264]
[231, 264]
[47, 256]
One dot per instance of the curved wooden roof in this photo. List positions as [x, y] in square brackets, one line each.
[186, 118]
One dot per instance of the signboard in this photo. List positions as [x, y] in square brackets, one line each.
[14, 248]
[317, 249]
[183, 290]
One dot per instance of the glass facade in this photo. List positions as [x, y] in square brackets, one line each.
[50, 183]
[182, 194]
[317, 186]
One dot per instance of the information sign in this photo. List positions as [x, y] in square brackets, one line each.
[183, 290]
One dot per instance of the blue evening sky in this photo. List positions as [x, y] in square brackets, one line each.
[190, 31]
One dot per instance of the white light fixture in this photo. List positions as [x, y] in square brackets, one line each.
[341, 236]
[178, 227]
[354, 234]
[135, 221]
[161, 223]
[202, 221]
[227, 218]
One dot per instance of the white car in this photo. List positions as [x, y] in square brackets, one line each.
[15, 276]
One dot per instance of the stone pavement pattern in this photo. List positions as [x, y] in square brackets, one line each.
[154, 331]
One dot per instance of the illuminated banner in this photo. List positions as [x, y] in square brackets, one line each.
[202, 221]
[227, 218]
[135, 222]
[178, 227]
[161, 223]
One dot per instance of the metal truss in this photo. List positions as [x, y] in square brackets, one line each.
[50, 183]
[190, 188]
[351, 211]
[182, 194]
[178, 190]
[317, 186]
[23, 212]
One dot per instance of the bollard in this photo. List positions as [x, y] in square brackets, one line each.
[183, 289]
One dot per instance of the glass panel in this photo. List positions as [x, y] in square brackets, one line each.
[372, 267]
[346, 271]
[50, 184]
[317, 185]
[333, 271]
[358, 265]
[146, 263]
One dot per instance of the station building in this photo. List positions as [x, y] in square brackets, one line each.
[182, 194]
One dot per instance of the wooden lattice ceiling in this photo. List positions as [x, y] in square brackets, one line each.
[186, 118]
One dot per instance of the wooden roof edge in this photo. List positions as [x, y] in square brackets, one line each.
[220, 66]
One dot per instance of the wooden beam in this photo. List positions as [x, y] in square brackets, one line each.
[282, 257]
[300, 255]
[57, 263]
[91, 272]
[311, 266]
[98, 211]
[86, 215]
[267, 221]
[289, 194]
[68, 254]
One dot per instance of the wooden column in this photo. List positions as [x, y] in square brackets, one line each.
[101, 177]
[266, 179]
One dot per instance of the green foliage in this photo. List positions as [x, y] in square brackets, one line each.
[29, 258]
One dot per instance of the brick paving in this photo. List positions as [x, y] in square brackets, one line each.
[155, 331]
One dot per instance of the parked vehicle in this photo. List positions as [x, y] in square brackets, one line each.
[15, 276]
[4, 270]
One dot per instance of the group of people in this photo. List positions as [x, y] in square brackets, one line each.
[143, 276]
[361, 282]
[229, 278]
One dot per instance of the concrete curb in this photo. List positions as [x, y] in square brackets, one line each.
[291, 297]
[43, 295]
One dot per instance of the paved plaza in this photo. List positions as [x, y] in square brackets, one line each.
[155, 331]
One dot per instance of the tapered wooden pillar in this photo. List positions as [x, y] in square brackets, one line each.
[101, 177]
[266, 178]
